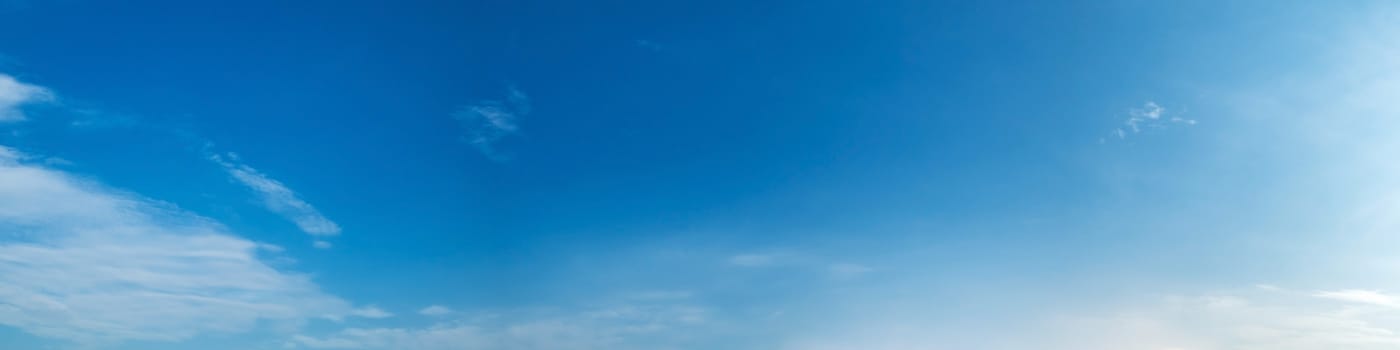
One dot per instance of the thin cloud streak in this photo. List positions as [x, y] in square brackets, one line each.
[92, 265]
[618, 328]
[15, 94]
[435, 310]
[487, 122]
[279, 199]
[371, 312]
[1150, 116]
[1361, 297]
[1264, 318]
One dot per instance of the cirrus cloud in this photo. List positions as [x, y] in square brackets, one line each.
[279, 199]
[15, 94]
[489, 121]
[90, 264]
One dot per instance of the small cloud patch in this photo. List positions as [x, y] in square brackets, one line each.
[279, 199]
[487, 122]
[435, 310]
[15, 94]
[371, 312]
[1148, 117]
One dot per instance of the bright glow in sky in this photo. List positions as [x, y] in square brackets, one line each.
[798, 175]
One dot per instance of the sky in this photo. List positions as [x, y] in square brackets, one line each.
[789, 175]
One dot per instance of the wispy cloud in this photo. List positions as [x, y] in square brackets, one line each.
[1362, 297]
[435, 310]
[1261, 318]
[624, 327]
[1149, 116]
[1246, 320]
[92, 265]
[799, 261]
[371, 312]
[277, 198]
[489, 121]
[14, 94]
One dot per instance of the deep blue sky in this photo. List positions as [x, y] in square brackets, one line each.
[654, 175]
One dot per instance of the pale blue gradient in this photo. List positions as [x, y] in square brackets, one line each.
[795, 175]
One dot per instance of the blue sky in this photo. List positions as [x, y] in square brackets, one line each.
[792, 175]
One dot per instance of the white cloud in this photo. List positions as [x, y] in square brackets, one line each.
[1149, 113]
[489, 121]
[271, 248]
[14, 94]
[89, 264]
[436, 337]
[319, 244]
[1251, 320]
[9, 155]
[626, 327]
[1361, 296]
[435, 310]
[277, 198]
[371, 312]
[1149, 116]
[802, 262]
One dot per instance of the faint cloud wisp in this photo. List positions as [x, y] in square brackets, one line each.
[101, 266]
[371, 312]
[1361, 297]
[616, 328]
[1150, 116]
[279, 199]
[489, 121]
[15, 94]
[435, 310]
[1264, 318]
